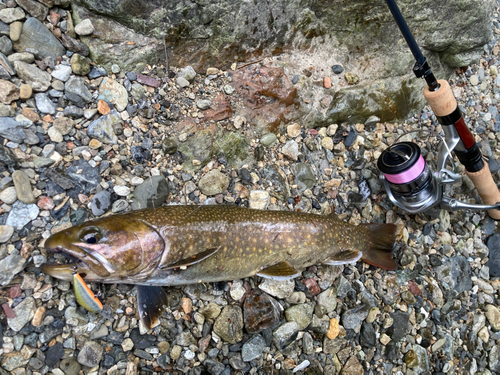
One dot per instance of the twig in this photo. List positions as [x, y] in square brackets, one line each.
[250, 63]
[166, 55]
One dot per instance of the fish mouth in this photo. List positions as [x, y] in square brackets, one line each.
[66, 259]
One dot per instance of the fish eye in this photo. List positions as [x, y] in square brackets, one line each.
[91, 235]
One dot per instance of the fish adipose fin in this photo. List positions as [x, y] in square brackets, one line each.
[348, 256]
[382, 241]
[279, 271]
[150, 301]
[192, 259]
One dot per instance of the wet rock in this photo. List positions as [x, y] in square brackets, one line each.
[9, 15]
[91, 354]
[36, 78]
[493, 316]
[24, 313]
[399, 325]
[261, 312]
[169, 146]
[8, 92]
[35, 35]
[278, 288]
[112, 92]
[304, 176]
[269, 139]
[21, 214]
[84, 176]
[328, 299]
[7, 157]
[352, 367]
[214, 182]
[45, 105]
[153, 192]
[285, 334]
[101, 202]
[23, 187]
[253, 348]
[103, 129]
[34, 8]
[10, 266]
[337, 69]
[210, 311]
[77, 92]
[229, 324]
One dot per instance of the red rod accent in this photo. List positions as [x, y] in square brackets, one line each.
[464, 132]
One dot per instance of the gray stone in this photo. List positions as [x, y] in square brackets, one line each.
[229, 324]
[21, 214]
[291, 150]
[455, 273]
[23, 187]
[5, 45]
[61, 72]
[269, 139]
[8, 195]
[24, 313]
[11, 129]
[35, 35]
[328, 299]
[91, 354]
[10, 15]
[8, 92]
[301, 314]
[79, 64]
[44, 104]
[423, 366]
[354, 317]
[14, 360]
[73, 317]
[253, 348]
[84, 28]
[304, 176]
[10, 266]
[182, 82]
[100, 203]
[137, 90]
[112, 92]
[214, 182]
[36, 78]
[77, 92]
[41, 162]
[34, 8]
[278, 288]
[102, 128]
[187, 73]
[203, 104]
[285, 334]
[26, 57]
[15, 30]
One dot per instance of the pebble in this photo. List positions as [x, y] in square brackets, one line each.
[474, 80]
[294, 130]
[291, 150]
[277, 288]
[24, 313]
[327, 82]
[285, 334]
[85, 27]
[21, 214]
[214, 182]
[39, 316]
[8, 195]
[6, 232]
[261, 312]
[122, 191]
[23, 187]
[91, 354]
[259, 199]
[253, 348]
[493, 316]
[337, 69]
[301, 314]
[268, 139]
[229, 324]
[25, 91]
[210, 311]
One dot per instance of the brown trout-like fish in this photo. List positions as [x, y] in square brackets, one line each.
[177, 245]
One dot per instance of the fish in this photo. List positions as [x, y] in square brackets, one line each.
[180, 244]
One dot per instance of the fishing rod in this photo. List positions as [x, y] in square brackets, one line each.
[409, 182]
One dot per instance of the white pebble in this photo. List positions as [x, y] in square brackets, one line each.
[122, 191]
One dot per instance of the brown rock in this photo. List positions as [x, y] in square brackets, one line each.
[312, 286]
[147, 80]
[327, 82]
[352, 367]
[39, 315]
[54, 18]
[187, 305]
[219, 110]
[30, 114]
[333, 330]
[25, 91]
[95, 144]
[63, 124]
[103, 107]
[260, 312]
[8, 92]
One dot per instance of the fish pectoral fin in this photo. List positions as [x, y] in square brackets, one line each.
[192, 259]
[150, 302]
[279, 271]
[344, 257]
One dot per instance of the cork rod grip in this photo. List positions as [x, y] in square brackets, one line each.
[487, 189]
[442, 101]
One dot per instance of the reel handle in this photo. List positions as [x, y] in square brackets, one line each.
[445, 107]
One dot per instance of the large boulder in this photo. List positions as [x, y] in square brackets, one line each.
[359, 35]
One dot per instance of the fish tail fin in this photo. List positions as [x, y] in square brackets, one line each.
[379, 254]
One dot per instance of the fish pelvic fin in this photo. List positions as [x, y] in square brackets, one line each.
[347, 256]
[150, 302]
[279, 271]
[379, 254]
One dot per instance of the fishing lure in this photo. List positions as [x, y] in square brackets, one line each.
[84, 296]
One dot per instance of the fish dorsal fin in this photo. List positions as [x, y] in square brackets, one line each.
[279, 271]
[333, 216]
[150, 302]
[344, 257]
[192, 259]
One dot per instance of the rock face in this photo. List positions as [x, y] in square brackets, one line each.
[359, 36]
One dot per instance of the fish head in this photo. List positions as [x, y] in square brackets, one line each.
[115, 249]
